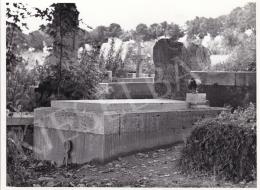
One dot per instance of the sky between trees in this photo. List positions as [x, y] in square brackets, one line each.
[131, 13]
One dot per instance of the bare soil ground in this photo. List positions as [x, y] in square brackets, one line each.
[155, 168]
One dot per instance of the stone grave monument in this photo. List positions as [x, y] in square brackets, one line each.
[103, 129]
[173, 63]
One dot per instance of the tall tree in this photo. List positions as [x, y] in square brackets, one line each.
[142, 32]
[37, 38]
[15, 39]
[114, 30]
[156, 30]
[173, 31]
[63, 29]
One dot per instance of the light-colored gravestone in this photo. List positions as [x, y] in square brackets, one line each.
[173, 63]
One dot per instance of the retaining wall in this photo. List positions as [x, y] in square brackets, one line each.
[228, 88]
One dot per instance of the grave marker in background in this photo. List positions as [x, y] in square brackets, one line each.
[173, 63]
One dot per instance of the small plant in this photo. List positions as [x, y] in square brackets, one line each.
[224, 146]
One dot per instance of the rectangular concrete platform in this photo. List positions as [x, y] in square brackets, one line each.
[103, 129]
[121, 105]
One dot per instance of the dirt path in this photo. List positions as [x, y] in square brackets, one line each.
[156, 168]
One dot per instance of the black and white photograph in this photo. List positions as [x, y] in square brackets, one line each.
[129, 93]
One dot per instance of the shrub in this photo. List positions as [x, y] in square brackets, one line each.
[15, 157]
[20, 84]
[224, 146]
[79, 81]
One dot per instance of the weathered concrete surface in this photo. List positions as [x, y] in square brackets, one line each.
[173, 63]
[103, 134]
[129, 90]
[233, 88]
[153, 130]
[121, 105]
[49, 145]
[140, 79]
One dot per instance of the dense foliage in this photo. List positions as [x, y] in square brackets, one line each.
[20, 81]
[240, 19]
[233, 34]
[224, 146]
[20, 87]
[66, 76]
[242, 58]
[15, 39]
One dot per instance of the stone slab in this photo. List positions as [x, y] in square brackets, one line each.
[140, 79]
[121, 105]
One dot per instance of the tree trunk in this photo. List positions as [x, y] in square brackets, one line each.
[61, 52]
[139, 60]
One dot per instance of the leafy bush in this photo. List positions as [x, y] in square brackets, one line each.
[79, 80]
[242, 57]
[224, 146]
[20, 84]
[16, 173]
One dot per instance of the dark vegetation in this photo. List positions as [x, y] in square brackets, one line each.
[224, 146]
[220, 95]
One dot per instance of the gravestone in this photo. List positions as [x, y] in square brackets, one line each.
[173, 63]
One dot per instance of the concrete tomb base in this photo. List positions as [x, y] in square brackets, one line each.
[103, 129]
